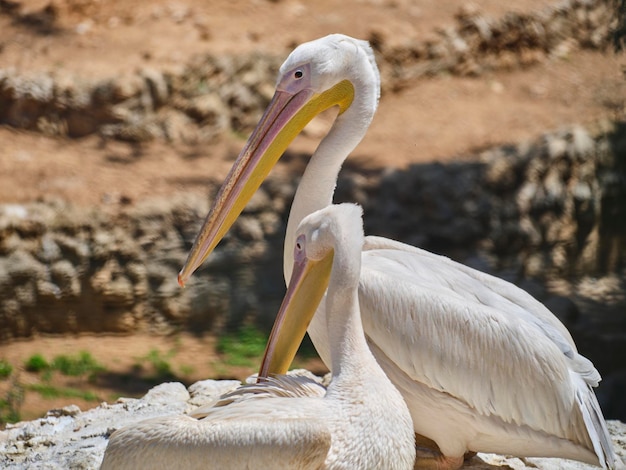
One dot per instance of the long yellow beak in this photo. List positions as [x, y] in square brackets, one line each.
[284, 118]
[309, 281]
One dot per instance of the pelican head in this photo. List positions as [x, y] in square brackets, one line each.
[336, 70]
[314, 257]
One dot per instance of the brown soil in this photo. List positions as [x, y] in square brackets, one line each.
[128, 368]
[435, 119]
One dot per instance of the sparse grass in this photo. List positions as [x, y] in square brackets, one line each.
[78, 365]
[82, 364]
[11, 403]
[186, 369]
[46, 375]
[8, 413]
[75, 366]
[55, 376]
[50, 391]
[5, 369]
[159, 363]
[243, 348]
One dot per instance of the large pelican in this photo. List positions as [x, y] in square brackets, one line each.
[362, 421]
[482, 365]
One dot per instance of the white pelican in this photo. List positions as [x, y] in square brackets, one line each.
[361, 422]
[482, 365]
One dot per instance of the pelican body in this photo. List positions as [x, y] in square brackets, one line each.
[360, 422]
[482, 365]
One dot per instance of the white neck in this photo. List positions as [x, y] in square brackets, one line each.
[318, 182]
[350, 355]
[349, 351]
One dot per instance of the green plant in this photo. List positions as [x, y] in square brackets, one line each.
[36, 363]
[81, 364]
[50, 391]
[5, 369]
[11, 403]
[8, 414]
[186, 369]
[158, 362]
[242, 347]
[46, 375]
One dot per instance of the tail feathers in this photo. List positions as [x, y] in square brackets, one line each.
[596, 427]
[584, 367]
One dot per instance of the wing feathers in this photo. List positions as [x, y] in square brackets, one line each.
[471, 335]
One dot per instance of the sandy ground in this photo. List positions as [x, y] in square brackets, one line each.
[436, 119]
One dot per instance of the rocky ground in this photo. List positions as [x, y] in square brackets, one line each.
[114, 112]
[69, 438]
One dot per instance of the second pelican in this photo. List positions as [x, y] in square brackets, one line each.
[361, 422]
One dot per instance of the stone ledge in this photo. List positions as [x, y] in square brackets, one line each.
[68, 438]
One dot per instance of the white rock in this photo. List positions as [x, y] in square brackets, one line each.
[68, 438]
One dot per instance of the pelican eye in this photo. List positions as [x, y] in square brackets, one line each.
[298, 74]
[299, 246]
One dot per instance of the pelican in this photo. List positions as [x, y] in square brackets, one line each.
[482, 365]
[360, 422]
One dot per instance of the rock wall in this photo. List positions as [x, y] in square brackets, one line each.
[549, 215]
[67, 270]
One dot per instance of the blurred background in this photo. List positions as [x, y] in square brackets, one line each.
[500, 141]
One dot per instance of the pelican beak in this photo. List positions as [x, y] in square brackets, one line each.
[284, 118]
[309, 281]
